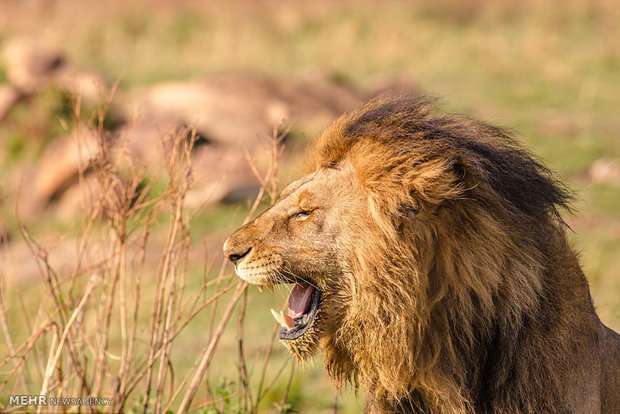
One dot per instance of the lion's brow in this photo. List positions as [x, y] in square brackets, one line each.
[295, 185]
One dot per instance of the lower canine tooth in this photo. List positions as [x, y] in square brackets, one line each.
[287, 319]
[278, 318]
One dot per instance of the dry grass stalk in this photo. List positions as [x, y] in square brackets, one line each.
[245, 399]
[85, 339]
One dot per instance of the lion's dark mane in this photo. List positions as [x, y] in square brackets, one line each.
[470, 298]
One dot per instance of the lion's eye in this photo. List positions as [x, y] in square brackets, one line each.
[301, 215]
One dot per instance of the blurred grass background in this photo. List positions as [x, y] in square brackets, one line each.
[548, 70]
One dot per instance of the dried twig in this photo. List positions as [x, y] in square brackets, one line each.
[112, 245]
[208, 353]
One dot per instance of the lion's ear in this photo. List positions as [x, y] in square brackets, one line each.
[458, 168]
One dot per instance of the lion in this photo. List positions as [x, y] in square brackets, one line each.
[430, 266]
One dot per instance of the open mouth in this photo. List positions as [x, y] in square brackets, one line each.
[301, 310]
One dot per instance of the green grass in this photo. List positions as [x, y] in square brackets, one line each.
[33, 122]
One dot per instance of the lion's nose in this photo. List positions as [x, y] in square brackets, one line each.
[236, 257]
[235, 253]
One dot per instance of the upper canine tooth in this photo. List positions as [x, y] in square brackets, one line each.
[278, 318]
[260, 288]
[270, 287]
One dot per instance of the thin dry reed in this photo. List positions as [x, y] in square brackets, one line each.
[108, 326]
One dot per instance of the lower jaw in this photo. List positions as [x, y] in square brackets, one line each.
[304, 347]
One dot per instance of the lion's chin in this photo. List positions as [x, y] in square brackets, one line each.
[305, 345]
[300, 320]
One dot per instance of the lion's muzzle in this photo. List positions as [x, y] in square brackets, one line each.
[235, 251]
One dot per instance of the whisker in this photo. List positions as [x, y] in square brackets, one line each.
[289, 273]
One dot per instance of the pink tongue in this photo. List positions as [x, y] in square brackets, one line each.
[298, 300]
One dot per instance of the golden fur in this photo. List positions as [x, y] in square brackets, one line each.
[448, 283]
